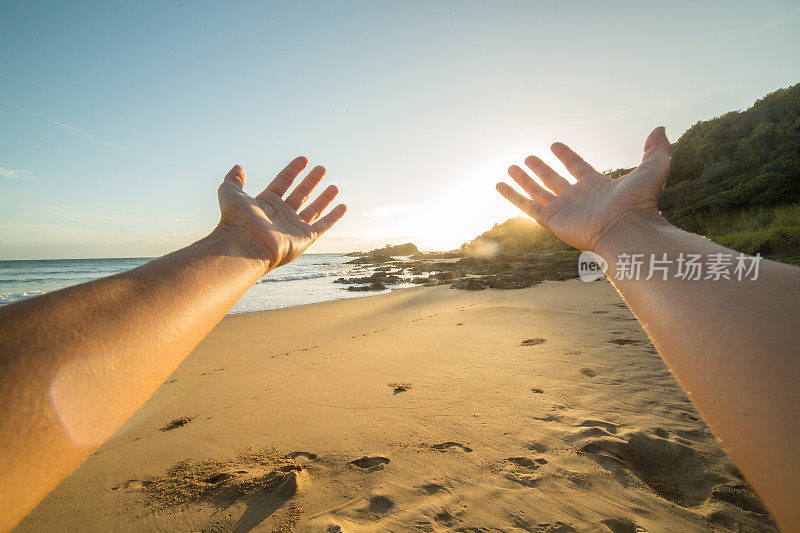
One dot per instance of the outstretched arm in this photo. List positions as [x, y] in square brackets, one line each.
[75, 364]
[732, 344]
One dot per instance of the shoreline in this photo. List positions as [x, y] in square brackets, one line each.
[293, 306]
[433, 409]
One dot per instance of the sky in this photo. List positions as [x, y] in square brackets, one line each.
[119, 119]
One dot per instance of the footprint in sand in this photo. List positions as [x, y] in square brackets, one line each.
[527, 462]
[532, 342]
[622, 342]
[443, 518]
[178, 423]
[370, 463]
[380, 505]
[739, 495]
[536, 447]
[308, 456]
[445, 446]
[580, 479]
[670, 469]
[219, 478]
[557, 527]
[433, 488]
[520, 470]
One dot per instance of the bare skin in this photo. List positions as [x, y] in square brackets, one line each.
[733, 345]
[119, 338]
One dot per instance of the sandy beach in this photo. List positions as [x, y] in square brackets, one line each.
[428, 409]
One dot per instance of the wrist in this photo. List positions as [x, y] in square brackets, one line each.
[630, 233]
[235, 241]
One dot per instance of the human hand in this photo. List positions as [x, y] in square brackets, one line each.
[582, 214]
[271, 225]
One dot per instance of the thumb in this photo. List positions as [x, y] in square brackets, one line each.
[655, 161]
[657, 144]
[236, 176]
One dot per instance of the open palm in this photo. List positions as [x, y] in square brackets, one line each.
[581, 214]
[281, 233]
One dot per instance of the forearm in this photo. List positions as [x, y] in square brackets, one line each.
[77, 363]
[732, 344]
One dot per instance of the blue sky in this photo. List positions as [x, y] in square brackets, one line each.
[118, 119]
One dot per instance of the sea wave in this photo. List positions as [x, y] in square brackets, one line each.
[295, 277]
[11, 297]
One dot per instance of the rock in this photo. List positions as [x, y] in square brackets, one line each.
[375, 286]
[470, 284]
[379, 277]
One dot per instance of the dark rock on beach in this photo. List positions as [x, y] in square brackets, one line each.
[469, 284]
[376, 286]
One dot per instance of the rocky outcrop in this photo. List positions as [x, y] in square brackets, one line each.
[508, 271]
[383, 254]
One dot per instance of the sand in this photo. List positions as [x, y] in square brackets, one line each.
[427, 409]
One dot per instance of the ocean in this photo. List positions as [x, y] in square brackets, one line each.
[308, 279]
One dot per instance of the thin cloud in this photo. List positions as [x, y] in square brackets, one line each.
[393, 210]
[13, 174]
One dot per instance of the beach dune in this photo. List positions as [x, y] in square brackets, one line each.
[429, 409]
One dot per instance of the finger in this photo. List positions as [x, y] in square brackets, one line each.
[324, 224]
[301, 193]
[655, 161]
[549, 177]
[286, 176]
[315, 208]
[236, 176]
[574, 163]
[657, 140]
[525, 204]
[534, 190]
